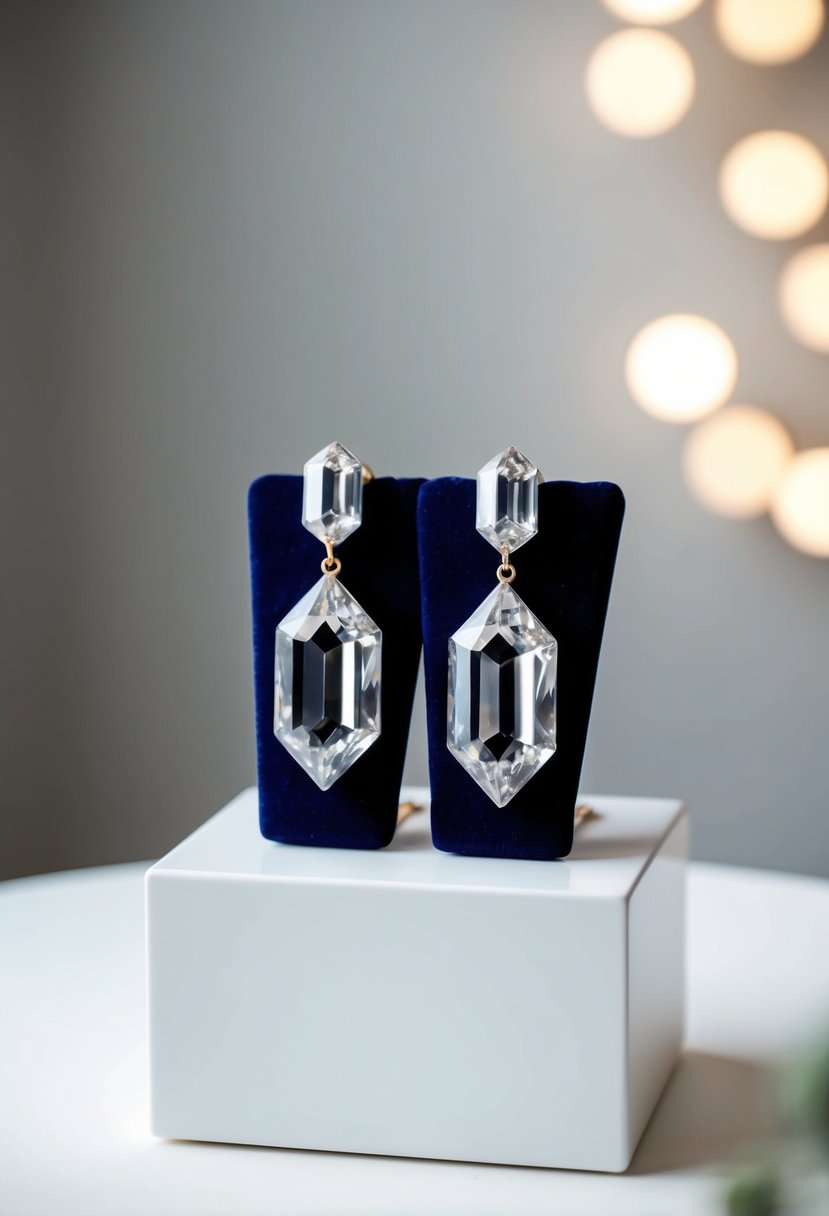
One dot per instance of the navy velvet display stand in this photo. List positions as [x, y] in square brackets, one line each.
[380, 569]
[563, 575]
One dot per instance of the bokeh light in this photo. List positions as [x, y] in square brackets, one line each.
[804, 296]
[769, 31]
[652, 12]
[681, 367]
[774, 184]
[640, 82]
[732, 461]
[800, 507]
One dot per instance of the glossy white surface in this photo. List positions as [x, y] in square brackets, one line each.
[410, 1002]
[608, 853]
[73, 1072]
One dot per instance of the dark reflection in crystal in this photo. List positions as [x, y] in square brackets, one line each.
[502, 710]
[327, 681]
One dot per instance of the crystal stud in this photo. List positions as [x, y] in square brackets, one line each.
[508, 500]
[332, 504]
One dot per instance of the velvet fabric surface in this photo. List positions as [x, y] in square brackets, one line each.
[380, 569]
[564, 576]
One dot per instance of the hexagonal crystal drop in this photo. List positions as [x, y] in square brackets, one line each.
[508, 500]
[327, 681]
[502, 695]
[332, 503]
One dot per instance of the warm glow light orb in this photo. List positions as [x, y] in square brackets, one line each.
[681, 367]
[732, 461]
[804, 296]
[800, 507]
[769, 31]
[652, 12]
[640, 82]
[774, 184]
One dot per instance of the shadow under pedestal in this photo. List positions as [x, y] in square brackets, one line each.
[712, 1109]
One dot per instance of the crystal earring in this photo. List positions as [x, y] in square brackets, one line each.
[328, 649]
[502, 661]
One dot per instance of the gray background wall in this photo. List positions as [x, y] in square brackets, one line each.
[236, 231]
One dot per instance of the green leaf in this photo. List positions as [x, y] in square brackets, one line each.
[754, 1193]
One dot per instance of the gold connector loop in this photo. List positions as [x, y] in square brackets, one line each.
[330, 564]
[506, 570]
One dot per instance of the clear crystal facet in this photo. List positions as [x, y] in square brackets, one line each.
[332, 503]
[502, 694]
[327, 681]
[508, 500]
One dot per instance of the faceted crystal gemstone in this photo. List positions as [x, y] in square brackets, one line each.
[332, 504]
[502, 694]
[327, 681]
[508, 500]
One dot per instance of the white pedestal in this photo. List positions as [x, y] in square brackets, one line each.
[413, 1003]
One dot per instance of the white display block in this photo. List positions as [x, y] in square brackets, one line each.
[413, 1003]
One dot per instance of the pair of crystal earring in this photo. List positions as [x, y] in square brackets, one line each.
[501, 710]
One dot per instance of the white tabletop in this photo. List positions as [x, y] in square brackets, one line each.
[609, 853]
[73, 1123]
